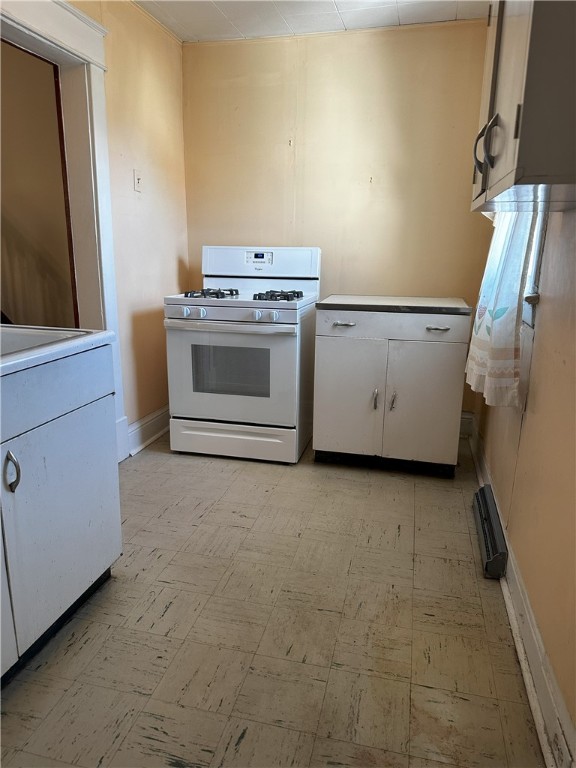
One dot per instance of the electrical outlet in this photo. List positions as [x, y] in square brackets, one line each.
[137, 181]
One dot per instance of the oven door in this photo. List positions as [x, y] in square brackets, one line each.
[233, 372]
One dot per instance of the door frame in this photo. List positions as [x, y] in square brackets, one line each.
[65, 36]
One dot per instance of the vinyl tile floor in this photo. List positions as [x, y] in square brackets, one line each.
[265, 615]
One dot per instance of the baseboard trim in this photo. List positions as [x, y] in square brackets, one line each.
[122, 438]
[144, 431]
[553, 723]
[466, 424]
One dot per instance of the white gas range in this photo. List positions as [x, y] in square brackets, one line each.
[241, 354]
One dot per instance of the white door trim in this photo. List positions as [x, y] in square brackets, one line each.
[65, 36]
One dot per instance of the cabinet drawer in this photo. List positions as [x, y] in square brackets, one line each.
[393, 325]
[34, 396]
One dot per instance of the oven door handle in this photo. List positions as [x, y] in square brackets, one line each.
[225, 327]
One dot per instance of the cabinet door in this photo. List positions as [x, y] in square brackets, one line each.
[62, 521]
[423, 405]
[503, 131]
[9, 650]
[480, 177]
[350, 376]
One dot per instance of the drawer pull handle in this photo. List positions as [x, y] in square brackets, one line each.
[338, 324]
[11, 459]
[442, 328]
[375, 399]
[393, 401]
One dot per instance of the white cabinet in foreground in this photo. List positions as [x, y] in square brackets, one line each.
[389, 376]
[60, 497]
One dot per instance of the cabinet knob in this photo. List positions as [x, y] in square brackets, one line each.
[11, 459]
[393, 401]
[479, 165]
[442, 328]
[375, 399]
[339, 324]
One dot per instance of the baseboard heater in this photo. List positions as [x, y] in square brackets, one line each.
[490, 534]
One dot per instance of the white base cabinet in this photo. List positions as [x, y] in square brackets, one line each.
[58, 521]
[61, 520]
[386, 382]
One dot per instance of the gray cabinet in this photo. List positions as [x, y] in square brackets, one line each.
[525, 152]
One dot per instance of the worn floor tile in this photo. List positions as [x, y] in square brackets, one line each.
[448, 615]
[270, 548]
[246, 743]
[389, 535]
[71, 649]
[190, 510]
[290, 522]
[440, 518]
[305, 500]
[255, 582]
[170, 735]
[141, 563]
[421, 762]
[454, 663]
[215, 540]
[160, 534]
[132, 525]
[313, 591]
[450, 544]
[388, 567]
[113, 602]
[520, 737]
[368, 710]
[329, 753]
[26, 701]
[456, 728]
[284, 693]
[246, 492]
[231, 513]
[204, 677]
[373, 649]
[437, 493]
[236, 624]
[449, 577]
[301, 635]
[331, 557]
[131, 661]
[87, 725]
[194, 573]
[496, 617]
[18, 759]
[388, 604]
[332, 523]
[507, 673]
[165, 611]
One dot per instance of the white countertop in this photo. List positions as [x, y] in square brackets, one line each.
[26, 346]
[435, 304]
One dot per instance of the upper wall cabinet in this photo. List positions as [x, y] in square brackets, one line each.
[525, 151]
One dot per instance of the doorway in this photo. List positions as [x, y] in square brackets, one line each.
[38, 285]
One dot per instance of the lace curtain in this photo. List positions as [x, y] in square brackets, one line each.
[493, 365]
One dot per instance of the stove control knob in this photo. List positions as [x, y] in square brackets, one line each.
[274, 315]
[185, 311]
[201, 312]
[257, 314]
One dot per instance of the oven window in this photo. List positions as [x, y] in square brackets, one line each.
[231, 370]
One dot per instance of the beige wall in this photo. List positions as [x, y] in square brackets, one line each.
[36, 279]
[359, 143]
[532, 461]
[144, 111]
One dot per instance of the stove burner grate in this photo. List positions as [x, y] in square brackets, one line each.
[212, 293]
[278, 296]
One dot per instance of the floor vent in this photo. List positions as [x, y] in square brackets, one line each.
[492, 542]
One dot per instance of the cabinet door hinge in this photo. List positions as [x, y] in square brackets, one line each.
[517, 122]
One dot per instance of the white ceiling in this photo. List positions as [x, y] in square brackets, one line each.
[205, 20]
